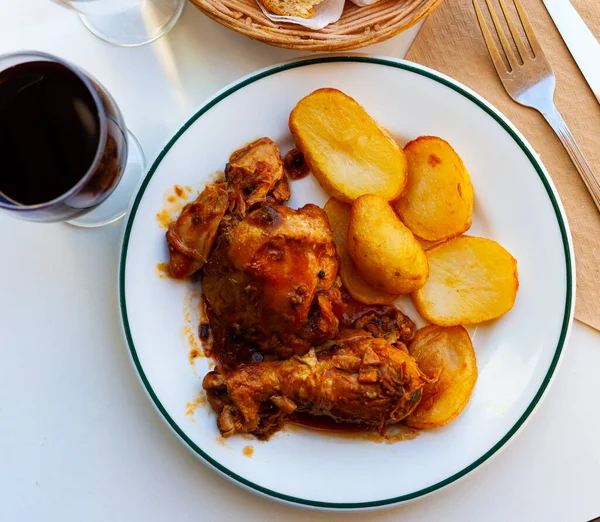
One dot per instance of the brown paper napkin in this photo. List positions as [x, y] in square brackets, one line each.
[450, 41]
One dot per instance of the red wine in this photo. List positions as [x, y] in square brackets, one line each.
[49, 131]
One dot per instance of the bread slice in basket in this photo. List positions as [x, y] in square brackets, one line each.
[299, 8]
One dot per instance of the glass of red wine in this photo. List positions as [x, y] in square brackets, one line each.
[65, 153]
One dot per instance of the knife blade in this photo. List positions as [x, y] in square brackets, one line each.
[580, 41]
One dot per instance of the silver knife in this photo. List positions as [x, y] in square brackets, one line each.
[584, 48]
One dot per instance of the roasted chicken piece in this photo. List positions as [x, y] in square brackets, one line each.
[252, 172]
[191, 237]
[253, 176]
[379, 320]
[272, 280]
[356, 378]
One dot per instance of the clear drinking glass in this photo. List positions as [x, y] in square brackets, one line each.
[67, 155]
[127, 22]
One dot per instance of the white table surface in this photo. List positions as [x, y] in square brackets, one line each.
[79, 440]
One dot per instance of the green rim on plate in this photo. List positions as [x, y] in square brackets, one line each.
[491, 112]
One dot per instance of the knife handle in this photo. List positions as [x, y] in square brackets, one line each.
[561, 129]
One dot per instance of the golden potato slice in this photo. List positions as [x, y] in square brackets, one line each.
[471, 280]
[339, 219]
[438, 201]
[446, 355]
[385, 252]
[348, 152]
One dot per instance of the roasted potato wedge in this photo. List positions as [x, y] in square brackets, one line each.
[438, 201]
[385, 252]
[445, 355]
[339, 219]
[471, 280]
[346, 149]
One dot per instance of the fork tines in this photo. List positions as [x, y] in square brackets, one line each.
[512, 59]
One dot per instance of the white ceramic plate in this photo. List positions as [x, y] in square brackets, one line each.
[517, 355]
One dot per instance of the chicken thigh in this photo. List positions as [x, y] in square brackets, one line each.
[272, 281]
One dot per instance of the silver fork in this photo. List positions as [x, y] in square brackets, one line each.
[532, 82]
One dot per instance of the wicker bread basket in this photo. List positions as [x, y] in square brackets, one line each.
[358, 26]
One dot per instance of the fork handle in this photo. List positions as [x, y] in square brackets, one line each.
[559, 126]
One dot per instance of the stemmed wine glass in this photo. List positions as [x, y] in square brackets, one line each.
[127, 22]
[66, 152]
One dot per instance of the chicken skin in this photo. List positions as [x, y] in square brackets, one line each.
[357, 378]
[272, 281]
